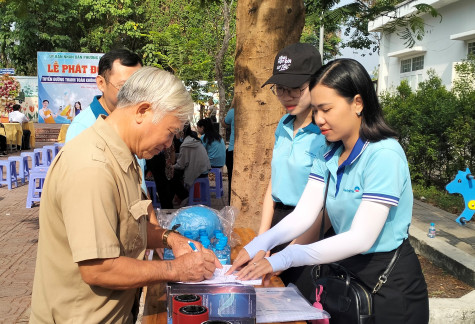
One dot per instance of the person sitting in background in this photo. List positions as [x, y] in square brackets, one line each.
[16, 116]
[193, 161]
[3, 142]
[213, 142]
[161, 168]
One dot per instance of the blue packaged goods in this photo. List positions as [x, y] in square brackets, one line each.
[197, 220]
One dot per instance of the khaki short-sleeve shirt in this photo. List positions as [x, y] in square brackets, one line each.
[91, 208]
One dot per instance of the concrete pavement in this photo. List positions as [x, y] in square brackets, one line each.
[453, 249]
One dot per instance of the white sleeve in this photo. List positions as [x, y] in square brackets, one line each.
[365, 229]
[295, 223]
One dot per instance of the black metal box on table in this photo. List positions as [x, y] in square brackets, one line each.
[230, 302]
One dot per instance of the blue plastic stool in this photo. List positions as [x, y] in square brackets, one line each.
[218, 188]
[199, 193]
[34, 156]
[41, 154]
[53, 149]
[46, 156]
[152, 191]
[23, 168]
[50, 151]
[10, 173]
[58, 147]
[35, 185]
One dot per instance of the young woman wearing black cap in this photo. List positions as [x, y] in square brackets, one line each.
[297, 140]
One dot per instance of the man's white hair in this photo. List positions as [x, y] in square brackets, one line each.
[164, 91]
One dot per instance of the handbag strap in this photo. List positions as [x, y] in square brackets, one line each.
[382, 278]
[322, 228]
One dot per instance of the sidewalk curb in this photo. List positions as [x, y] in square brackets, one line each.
[455, 261]
[452, 310]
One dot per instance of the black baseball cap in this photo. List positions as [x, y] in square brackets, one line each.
[294, 65]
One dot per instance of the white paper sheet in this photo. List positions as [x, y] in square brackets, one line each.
[284, 304]
[219, 277]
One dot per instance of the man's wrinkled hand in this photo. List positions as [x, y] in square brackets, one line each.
[195, 266]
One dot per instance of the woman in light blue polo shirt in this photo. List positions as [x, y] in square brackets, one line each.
[369, 200]
[297, 141]
[213, 142]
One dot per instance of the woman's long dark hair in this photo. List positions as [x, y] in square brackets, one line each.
[188, 132]
[210, 133]
[349, 78]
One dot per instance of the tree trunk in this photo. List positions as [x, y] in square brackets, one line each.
[263, 27]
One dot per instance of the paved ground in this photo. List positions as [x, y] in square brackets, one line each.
[453, 248]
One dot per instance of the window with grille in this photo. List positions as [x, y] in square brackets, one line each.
[405, 66]
[471, 48]
[418, 63]
[412, 64]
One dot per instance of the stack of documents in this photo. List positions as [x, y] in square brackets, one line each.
[284, 305]
[219, 277]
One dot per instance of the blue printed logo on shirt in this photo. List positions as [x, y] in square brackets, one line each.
[357, 189]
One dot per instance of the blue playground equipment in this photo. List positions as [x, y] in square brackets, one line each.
[464, 184]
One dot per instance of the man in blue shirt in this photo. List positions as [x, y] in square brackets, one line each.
[115, 67]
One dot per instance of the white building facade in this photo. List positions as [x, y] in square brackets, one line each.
[445, 43]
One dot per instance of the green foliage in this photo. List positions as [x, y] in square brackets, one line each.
[184, 37]
[36, 25]
[108, 24]
[180, 36]
[320, 13]
[435, 126]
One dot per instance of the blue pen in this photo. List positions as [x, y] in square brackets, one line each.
[193, 247]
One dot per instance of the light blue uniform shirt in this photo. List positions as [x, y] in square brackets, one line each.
[86, 119]
[373, 171]
[292, 159]
[216, 152]
[229, 119]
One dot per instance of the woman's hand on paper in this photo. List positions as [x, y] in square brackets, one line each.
[256, 268]
[241, 259]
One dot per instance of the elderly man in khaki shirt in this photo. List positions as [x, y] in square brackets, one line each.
[93, 219]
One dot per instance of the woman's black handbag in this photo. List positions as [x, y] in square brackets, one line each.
[346, 298]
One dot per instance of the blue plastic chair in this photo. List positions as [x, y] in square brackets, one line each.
[199, 193]
[152, 191]
[53, 149]
[23, 168]
[35, 185]
[34, 156]
[11, 176]
[218, 188]
[58, 147]
[46, 156]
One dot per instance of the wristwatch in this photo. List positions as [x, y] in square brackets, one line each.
[167, 232]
